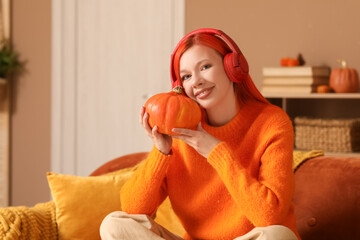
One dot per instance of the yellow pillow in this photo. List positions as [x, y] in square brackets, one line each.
[166, 217]
[83, 202]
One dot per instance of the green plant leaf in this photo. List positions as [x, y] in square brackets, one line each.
[9, 62]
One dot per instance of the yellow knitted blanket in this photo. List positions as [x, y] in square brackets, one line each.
[299, 157]
[25, 223]
[39, 222]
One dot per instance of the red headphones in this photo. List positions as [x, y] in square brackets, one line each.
[235, 64]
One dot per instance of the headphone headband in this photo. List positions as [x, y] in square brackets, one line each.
[238, 61]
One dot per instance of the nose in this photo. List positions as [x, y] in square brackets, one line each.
[197, 80]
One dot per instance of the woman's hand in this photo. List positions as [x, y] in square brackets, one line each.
[200, 140]
[162, 142]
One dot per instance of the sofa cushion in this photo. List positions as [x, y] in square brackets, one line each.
[83, 202]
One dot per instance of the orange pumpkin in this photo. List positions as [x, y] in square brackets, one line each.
[172, 110]
[292, 62]
[289, 62]
[323, 89]
[344, 79]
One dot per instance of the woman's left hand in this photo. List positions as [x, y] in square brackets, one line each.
[199, 139]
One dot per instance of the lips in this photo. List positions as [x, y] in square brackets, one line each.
[203, 93]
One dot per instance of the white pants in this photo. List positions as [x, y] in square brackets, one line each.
[122, 226]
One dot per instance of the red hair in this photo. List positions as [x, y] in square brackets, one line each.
[245, 89]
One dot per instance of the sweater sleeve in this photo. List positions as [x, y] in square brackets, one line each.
[146, 189]
[265, 197]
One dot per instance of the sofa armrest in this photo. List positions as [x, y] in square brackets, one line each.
[38, 222]
[327, 197]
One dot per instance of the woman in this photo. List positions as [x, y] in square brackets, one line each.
[229, 179]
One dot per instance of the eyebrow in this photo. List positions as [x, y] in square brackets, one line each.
[198, 63]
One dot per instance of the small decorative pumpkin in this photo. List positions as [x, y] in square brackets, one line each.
[344, 79]
[292, 62]
[172, 110]
[323, 89]
[289, 62]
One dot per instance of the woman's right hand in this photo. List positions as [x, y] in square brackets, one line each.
[162, 142]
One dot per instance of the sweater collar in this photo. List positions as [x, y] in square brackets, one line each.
[243, 119]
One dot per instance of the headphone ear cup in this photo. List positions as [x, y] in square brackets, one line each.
[236, 66]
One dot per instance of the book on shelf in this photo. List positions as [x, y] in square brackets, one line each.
[296, 81]
[289, 88]
[320, 71]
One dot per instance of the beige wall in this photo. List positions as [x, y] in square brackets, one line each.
[321, 30]
[30, 131]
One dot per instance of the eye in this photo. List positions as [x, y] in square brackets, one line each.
[206, 66]
[185, 77]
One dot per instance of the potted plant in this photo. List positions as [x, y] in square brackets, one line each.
[9, 62]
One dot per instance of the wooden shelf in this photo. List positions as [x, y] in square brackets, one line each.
[314, 95]
[327, 105]
[319, 105]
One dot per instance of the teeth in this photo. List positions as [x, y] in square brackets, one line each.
[203, 93]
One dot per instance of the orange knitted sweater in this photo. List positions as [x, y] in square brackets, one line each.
[246, 181]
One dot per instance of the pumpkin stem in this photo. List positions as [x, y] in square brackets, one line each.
[178, 89]
[342, 62]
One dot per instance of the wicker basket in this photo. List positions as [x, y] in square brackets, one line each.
[333, 135]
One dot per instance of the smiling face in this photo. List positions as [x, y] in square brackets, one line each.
[204, 78]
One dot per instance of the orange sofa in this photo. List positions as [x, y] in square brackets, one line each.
[327, 201]
[327, 195]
